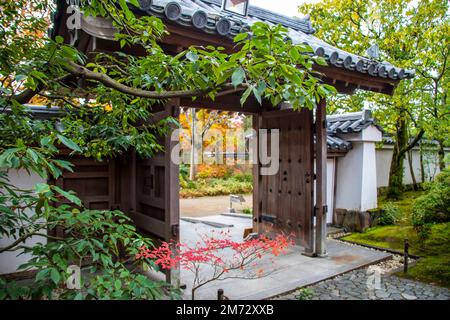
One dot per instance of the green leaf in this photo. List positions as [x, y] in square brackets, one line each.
[55, 276]
[238, 76]
[34, 155]
[41, 275]
[79, 296]
[64, 164]
[240, 37]
[245, 95]
[68, 143]
[42, 187]
[135, 3]
[118, 284]
[71, 197]
[321, 61]
[59, 39]
[257, 95]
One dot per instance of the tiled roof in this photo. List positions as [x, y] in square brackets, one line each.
[336, 144]
[208, 16]
[390, 140]
[350, 122]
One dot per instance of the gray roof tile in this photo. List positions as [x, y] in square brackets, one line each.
[210, 18]
[350, 122]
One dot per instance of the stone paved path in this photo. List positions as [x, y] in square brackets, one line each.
[354, 286]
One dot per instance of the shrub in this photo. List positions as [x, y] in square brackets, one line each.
[433, 207]
[236, 184]
[214, 171]
[243, 178]
[304, 294]
[390, 214]
[184, 171]
[247, 210]
[100, 243]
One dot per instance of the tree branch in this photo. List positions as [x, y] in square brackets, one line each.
[413, 143]
[81, 71]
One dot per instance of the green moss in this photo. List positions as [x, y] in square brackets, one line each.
[433, 269]
[404, 204]
[391, 237]
[434, 266]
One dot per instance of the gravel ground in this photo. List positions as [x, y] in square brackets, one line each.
[361, 285]
[375, 282]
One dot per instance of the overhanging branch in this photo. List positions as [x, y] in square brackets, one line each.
[81, 71]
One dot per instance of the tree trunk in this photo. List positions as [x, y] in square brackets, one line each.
[395, 187]
[441, 154]
[401, 146]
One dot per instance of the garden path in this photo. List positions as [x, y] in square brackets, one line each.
[289, 271]
[353, 286]
[207, 206]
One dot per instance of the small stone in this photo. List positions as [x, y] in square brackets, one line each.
[381, 294]
[408, 296]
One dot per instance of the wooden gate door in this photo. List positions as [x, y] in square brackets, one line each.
[155, 205]
[283, 202]
[93, 181]
[156, 187]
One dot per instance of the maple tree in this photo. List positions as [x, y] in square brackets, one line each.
[411, 35]
[216, 256]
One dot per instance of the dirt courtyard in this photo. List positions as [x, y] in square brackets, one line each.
[207, 206]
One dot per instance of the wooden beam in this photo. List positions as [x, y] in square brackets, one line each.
[172, 192]
[309, 186]
[257, 179]
[230, 102]
[321, 179]
[362, 81]
[186, 37]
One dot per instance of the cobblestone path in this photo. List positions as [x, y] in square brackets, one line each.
[364, 285]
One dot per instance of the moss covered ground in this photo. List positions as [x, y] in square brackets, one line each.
[434, 265]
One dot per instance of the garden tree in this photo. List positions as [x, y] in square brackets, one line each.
[196, 123]
[105, 102]
[410, 34]
[218, 257]
[434, 76]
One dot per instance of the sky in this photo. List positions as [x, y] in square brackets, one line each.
[286, 7]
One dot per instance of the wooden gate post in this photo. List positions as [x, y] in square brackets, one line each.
[172, 191]
[257, 183]
[321, 178]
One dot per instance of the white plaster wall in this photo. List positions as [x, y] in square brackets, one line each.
[356, 182]
[349, 178]
[383, 163]
[10, 261]
[369, 178]
[330, 189]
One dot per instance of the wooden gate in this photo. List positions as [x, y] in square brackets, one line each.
[283, 201]
[93, 181]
